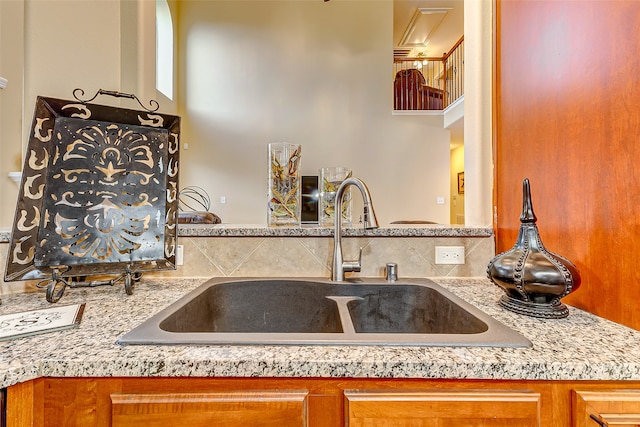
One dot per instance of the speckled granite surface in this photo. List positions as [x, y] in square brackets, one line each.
[257, 230]
[582, 346]
[400, 230]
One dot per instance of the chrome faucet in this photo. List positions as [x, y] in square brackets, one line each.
[369, 222]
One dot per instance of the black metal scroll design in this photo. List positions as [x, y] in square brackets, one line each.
[56, 286]
[104, 196]
[154, 104]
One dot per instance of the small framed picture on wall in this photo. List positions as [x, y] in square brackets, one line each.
[460, 182]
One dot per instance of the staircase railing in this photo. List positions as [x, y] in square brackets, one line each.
[427, 83]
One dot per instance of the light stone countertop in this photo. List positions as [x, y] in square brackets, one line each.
[580, 347]
[258, 230]
[395, 230]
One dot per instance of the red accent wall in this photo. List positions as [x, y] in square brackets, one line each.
[567, 116]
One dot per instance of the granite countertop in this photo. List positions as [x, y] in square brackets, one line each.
[580, 347]
[394, 230]
[258, 230]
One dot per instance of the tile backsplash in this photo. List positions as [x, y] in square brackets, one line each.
[261, 256]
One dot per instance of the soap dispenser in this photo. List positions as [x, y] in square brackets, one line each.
[533, 278]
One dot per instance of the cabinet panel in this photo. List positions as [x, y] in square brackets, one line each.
[259, 408]
[442, 409]
[87, 402]
[20, 404]
[606, 408]
[550, 118]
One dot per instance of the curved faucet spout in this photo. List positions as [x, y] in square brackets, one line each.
[369, 221]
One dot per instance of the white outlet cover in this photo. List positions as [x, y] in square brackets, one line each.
[450, 255]
[179, 255]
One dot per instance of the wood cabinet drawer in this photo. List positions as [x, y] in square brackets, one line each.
[442, 408]
[230, 409]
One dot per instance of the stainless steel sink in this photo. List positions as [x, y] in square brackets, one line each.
[316, 311]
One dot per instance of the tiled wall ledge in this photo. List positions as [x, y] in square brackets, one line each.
[259, 251]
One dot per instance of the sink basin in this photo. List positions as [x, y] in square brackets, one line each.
[256, 306]
[316, 311]
[410, 309]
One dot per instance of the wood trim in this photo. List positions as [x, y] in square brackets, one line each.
[495, 117]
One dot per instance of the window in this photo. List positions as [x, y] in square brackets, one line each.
[164, 49]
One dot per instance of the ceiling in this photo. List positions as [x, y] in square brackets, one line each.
[430, 27]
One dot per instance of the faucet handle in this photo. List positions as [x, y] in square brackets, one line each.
[353, 265]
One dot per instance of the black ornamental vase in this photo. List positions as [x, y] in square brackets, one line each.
[533, 278]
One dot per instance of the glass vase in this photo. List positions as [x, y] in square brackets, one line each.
[284, 206]
[330, 180]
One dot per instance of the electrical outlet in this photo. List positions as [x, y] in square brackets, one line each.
[179, 255]
[449, 254]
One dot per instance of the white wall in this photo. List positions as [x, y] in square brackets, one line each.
[478, 143]
[308, 72]
[11, 68]
[70, 44]
[51, 47]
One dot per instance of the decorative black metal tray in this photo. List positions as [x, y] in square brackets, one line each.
[99, 193]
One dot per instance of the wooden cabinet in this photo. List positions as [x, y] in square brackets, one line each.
[606, 408]
[261, 408]
[550, 118]
[442, 409]
[159, 402]
[320, 402]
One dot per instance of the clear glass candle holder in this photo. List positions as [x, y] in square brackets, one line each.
[330, 180]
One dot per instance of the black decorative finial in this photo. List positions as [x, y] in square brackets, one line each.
[533, 278]
[527, 208]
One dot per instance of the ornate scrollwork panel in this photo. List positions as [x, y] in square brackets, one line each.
[97, 193]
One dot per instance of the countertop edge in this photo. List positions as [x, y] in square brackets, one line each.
[257, 230]
[55, 368]
[239, 230]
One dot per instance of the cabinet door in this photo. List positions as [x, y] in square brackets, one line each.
[606, 408]
[442, 409]
[260, 409]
